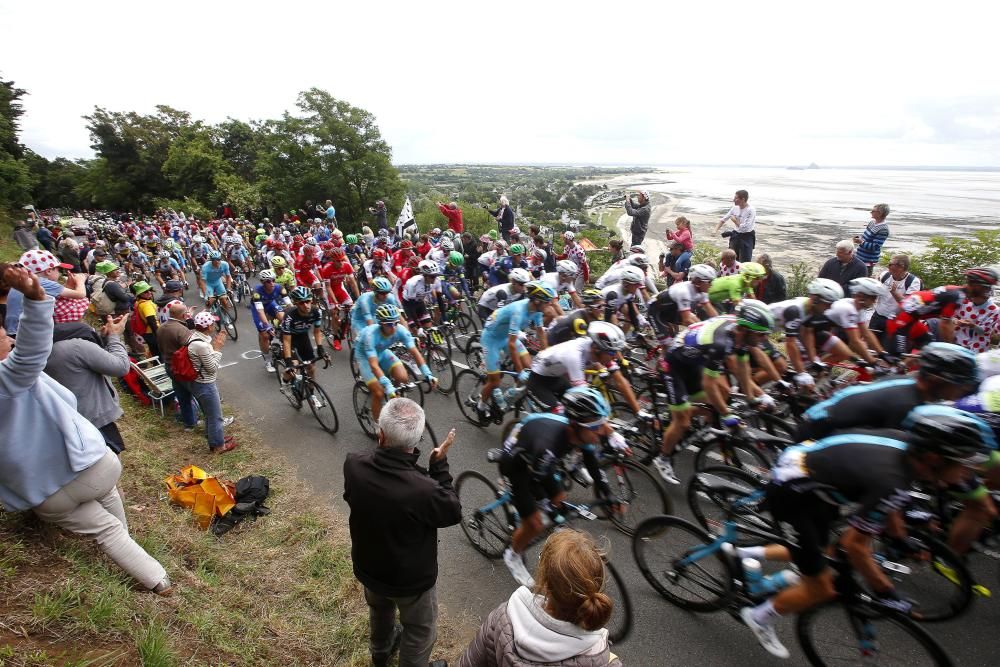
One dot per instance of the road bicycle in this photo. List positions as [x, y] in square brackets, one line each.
[304, 389]
[226, 315]
[362, 399]
[241, 286]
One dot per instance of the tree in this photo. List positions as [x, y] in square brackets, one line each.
[193, 163]
[16, 179]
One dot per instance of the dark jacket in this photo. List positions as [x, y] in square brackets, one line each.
[396, 509]
[772, 289]
[506, 219]
[843, 273]
[640, 215]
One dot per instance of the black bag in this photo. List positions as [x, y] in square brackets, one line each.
[251, 492]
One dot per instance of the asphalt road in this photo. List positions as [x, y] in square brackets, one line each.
[469, 585]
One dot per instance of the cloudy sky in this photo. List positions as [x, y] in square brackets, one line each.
[847, 83]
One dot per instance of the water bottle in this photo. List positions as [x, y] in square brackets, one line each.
[753, 578]
[514, 394]
[499, 399]
[780, 580]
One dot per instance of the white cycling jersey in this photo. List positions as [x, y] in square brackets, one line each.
[789, 314]
[499, 295]
[614, 275]
[569, 359]
[416, 288]
[615, 297]
[552, 280]
[686, 296]
[844, 313]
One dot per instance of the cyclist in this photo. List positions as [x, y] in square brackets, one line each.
[282, 275]
[236, 253]
[363, 312]
[623, 300]
[267, 303]
[217, 279]
[342, 288]
[501, 268]
[421, 290]
[575, 323]
[676, 305]
[790, 314]
[811, 481]
[166, 268]
[563, 281]
[501, 338]
[908, 330]
[500, 295]
[199, 255]
[454, 275]
[355, 251]
[299, 321]
[530, 462]
[378, 364]
[379, 265]
[639, 261]
[842, 321]
[727, 291]
[695, 366]
[307, 264]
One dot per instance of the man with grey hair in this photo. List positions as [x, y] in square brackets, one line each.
[396, 508]
[844, 267]
[871, 240]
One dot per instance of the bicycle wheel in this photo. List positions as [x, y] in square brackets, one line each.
[640, 435]
[940, 587]
[362, 398]
[428, 440]
[712, 507]
[463, 328]
[727, 452]
[468, 386]
[661, 545]
[324, 412]
[837, 634]
[620, 624]
[286, 387]
[475, 358]
[228, 307]
[237, 291]
[487, 523]
[641, 493]
[439, 360]
[228, 324]
[415, 394]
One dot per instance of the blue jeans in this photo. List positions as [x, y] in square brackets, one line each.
[182, 394]
[207, 396]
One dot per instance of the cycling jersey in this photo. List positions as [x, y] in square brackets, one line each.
[686, 296]
[842, 314]
[566, 328]
[615, 296]
[510, 320]
[552, 280]
[297, 324]
[363, 312]
[985, 323]
[417, 289]
[502, 267]
[789, 314]
[286, 279]
[729, 288]
[568, 359]
[709, 343]
[214, 278]
[880, 405]
[168, 267]
[908, 330]
[498, 296]
[271, 302]
[337, 273]
[372, 341]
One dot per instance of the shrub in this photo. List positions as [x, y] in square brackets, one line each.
[706, 252]
[944, 259]
[798, 277]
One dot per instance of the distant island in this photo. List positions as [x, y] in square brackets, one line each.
[812, 165]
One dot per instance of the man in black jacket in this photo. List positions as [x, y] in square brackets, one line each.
[396, 509]
[844, 267]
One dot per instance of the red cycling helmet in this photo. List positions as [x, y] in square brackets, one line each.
[982, 276]
[378, 253]
[406, 244]
[327, 246]
[338, 253]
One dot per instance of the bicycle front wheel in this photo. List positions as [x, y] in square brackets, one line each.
[620, 624]
[362, 398]
[229, 307]
[284, 387]
[666, 549]
[439, 361]
[835, 634]
[713, 503]
[486, 517]
[725, 452]
[322, 407]
[468, 385]
[641, 493]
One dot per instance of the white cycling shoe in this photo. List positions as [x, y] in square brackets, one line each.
[666, 470]
[765, 634]
[518, 570]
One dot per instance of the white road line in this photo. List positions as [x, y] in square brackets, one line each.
[231, 363]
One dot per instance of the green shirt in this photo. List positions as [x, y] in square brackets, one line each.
[729, 288]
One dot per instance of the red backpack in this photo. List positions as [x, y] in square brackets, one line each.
[181, 367]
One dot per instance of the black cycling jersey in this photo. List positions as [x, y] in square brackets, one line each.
[880, 405]
[297, 324]
[569, 326]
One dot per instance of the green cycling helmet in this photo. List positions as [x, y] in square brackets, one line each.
[517, 249]
[387, 313]
[382, 285]
[352, 239]
[300, 294]
[755, 315]
[753, 270]
[455, 258]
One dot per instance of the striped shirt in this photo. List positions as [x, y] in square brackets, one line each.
[872, 238]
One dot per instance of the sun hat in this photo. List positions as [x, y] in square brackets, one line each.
[205, 319]
[37, 261]
[106, 267]
[141, 287]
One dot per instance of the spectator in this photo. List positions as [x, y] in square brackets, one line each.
[505, 217]
[173, 290]
[55, 462]
[472, 250]
[561, 622]
[330, 214]
[575, 253]
[976, 323]
[368, 235]
[95, 257]
[381, 219]
[640, 216]
[145, 322]
[744, 218]
[900, 283]
[205, 357]
[396, 510]
[45, 265]
[550, 256]
[844, 267]
[69, 252]
[45, 237]
[454, 215]
[82, 362]
[728, 266]
[869, 244]
[23, 236]
[170, 337]
[106, 281]
[772, 288]
[675, 264]
[683, 233]
[615, 247]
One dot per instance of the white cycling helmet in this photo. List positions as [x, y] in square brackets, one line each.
[632, 275]
[198, 238]
[519, 276]
[638, 260]
[869, 286]
[540, 254]
[447, 244]
[267, 274]
[428, 267]
[702, 272]
[606, 336]
[827, 290]
[566, 267]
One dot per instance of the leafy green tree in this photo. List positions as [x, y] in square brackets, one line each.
[193, 163]
[945, 258]
[16, 179]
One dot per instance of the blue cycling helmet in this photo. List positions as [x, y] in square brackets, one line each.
[382, 284]
[950, 433]
[387, 313]
[586, 406]
[301, 294]
[215, 255]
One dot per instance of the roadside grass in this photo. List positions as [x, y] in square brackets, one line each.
[9, 251]
[279, 590]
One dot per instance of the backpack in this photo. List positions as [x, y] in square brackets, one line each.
[886, 278]
[181, 367]
[100, 302]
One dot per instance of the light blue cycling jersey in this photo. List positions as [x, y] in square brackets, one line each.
[372, 342]
[213, 275]
[364, 310]
[511, 320]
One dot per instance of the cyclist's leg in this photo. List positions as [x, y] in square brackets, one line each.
[978, 513]
[494, 352]
[524, 501]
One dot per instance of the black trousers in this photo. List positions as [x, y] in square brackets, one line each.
[743, 244]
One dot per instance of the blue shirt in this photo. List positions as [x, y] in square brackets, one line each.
[512, 319]
[213, 275]
[15, 303]
[331, 213]
[364, 309]
[372, 343]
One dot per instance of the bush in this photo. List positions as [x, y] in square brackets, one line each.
[706, 252]
[188, 205]
[945, 258]
[798, 277]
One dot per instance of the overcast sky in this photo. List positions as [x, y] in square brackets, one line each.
[867, 83]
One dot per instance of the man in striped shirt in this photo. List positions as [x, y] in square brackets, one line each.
[869, 244]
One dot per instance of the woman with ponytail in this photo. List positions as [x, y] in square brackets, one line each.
[561, 622]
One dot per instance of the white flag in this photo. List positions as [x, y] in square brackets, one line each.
[405, 218]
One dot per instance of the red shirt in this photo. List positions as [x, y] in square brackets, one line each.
[336, 272]
[454, 216]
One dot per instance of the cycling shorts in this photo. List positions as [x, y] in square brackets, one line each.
[525, 489]
[416, 310]
[386, 360]
[215, 289]
[302, 344]
[263, 322]
[339, 294]
[496, 351]
[770, 350]
[682, 380]
[811, 517]
[547, 391]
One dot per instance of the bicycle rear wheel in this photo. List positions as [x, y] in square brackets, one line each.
[237, 291]
[661, 546]
[712, 507]
[723, 451]
[286, 387]
[324, 413]
[620, 624]
[836, 634]
[362, 399]
[487, 524]
[640, 435]
[415, 394]
[463, 329]
[439, 361]
[228, 324]
[229, 307]
[468, 385]
[641, 493]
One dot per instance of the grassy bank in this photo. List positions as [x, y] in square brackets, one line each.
[9, 251]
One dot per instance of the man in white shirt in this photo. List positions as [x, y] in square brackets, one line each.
[900, 283]
[744, 219]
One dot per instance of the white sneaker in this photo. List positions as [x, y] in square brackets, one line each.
[228, 421]
[269, 367]
[316, 401]
[517, 568]
[666, 470]
[765, 634]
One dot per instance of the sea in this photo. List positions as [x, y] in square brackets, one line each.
[802, 213]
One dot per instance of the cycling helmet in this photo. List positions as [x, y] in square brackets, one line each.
[825, 290]
[638, 261]
[519, 276]
[517, 249]
[630, 275]
[352, 239]
[586, 406]
[448, 234]
[436, 231]
[383, 232]
[500, 245]
[311, 241]
[989, 363]
[606, 336]
[447, 245]
[428, 267]
[539, 291]
[378, 253]
[327, 246]
[382, 285]
[215, 255]
[456, 258]
[301, 293]
[337, 234]
[950, 433]
[952, 363]
[755, 315]
[164, 255]
[407, 244]
[982, 276]
[279, 245]
[592, 297]
[261, 230]
[565, 267]
[198, 238]
[267, 274]
[387, 313]
[278, 261]
[309, 250]
[869, 286]
[702, 272]
[539, 253]
[753, 270]
[337, 253]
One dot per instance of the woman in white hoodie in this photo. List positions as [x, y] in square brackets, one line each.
[561, 622]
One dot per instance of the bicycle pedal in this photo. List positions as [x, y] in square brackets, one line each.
[982, 591]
